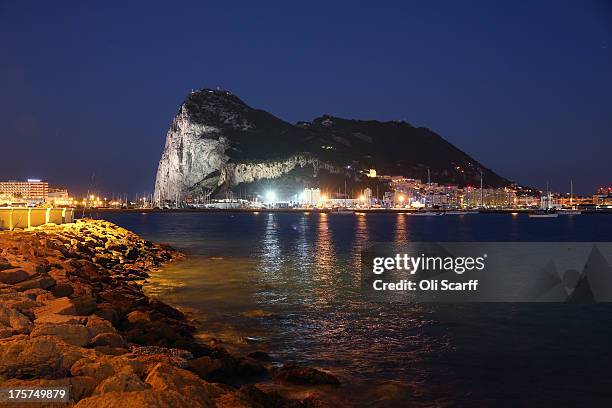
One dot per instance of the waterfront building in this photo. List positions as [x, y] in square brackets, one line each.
[59, 197]
[32, 190]
[603, 200]
[311, 196]
[567, 201]
[490, 197]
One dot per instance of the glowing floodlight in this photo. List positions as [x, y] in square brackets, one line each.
[270, 196]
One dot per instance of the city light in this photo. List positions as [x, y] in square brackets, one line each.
[270, 196]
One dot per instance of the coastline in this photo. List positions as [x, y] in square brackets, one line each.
[73, 314]
[94, 211]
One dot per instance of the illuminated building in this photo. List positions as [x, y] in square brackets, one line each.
[58, 197]
[491, 197]
[31, 190]
[311, 196]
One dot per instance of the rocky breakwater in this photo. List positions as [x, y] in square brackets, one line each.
[73, 314]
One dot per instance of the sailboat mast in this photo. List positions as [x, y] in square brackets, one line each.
[428, 187]
[481, 191]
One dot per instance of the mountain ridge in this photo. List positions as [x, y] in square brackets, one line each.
[218, 142]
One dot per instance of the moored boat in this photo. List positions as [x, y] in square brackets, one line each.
[427, 213]
[544, 214]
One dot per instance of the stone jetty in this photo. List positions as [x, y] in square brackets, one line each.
[73, 314]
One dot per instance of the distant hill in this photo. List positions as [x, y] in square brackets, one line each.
[217, 144]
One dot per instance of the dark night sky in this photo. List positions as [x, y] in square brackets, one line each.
[523, 86]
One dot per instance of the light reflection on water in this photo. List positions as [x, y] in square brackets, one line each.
[292, 280]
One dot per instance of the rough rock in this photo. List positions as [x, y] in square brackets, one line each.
[41, 357]
[139, 399]
[164, 377]
[121, 382]
[292, 373]
[74, 334]
[15, 320]
[12, 276]
[108, 339]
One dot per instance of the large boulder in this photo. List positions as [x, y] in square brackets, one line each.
[13, 276]
[165, 377]
[140, 399]
[38, 357]
[42, 282]
[122, 382]
[75, 334]
[97, 325]
[108, 339]
[15, 320]
[61, 306]
[295, 374]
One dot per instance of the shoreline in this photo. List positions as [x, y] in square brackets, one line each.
[308, 210]
[73, 314]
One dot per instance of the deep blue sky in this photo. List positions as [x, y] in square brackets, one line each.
[523, 86]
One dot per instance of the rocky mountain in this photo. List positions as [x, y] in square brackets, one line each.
[217, 144]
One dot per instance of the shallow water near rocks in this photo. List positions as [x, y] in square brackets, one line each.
[289, 284]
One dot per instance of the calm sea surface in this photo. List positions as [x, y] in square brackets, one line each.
[289, 284]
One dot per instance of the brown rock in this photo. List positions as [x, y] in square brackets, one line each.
[137, 317]
[45, 297]
[97, 325]
[295, 374]
[112, 351]
[99, 370]
[140, 399]
[122, 382]
[12, 276]
[15, 320]
[74, 334]
[34, 293]
[39, 357]
[62, 290]
[62, 306]
[81, 387]
[260, 355]
[166, 377]
[165, 309]
[107, 312]
[52, 318]
[43, 282]
[205, 367]
[6, 332]
[252, 396]
[108, 339]
[249, 367]
[84, 305]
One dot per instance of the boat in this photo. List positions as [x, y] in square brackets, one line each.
[546, 210]
[458, 212]
[427, 213]
[543, 214]
[342, 211]
[572, 210]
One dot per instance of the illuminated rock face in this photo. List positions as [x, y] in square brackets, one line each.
[217, 142]
[192, 152]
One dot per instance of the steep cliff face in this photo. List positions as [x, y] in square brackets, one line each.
[192, 152]
[216, 142]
